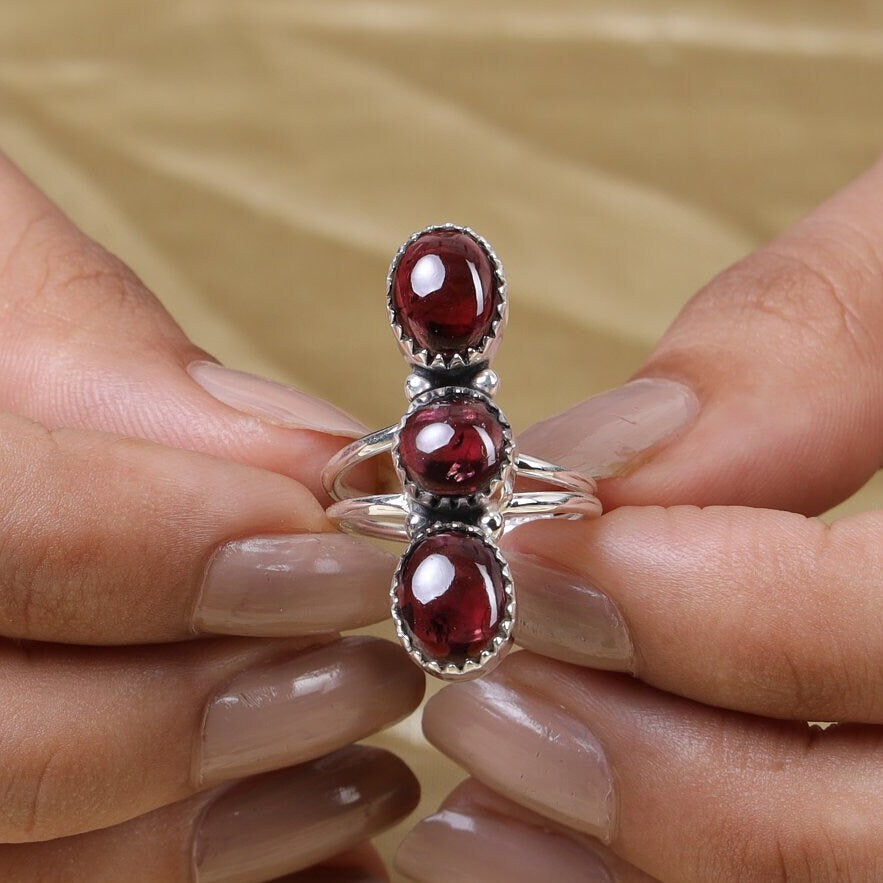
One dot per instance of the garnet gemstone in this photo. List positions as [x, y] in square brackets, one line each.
[450, 596]
[444, 292]
[452, 448]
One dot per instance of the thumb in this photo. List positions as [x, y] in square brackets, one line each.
[84, 344]
[768, 388]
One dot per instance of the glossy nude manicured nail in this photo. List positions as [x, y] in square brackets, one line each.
[298, 707]
[607, 434]
[562, 617]
[272, 401]
[527, 749]
[294, 584]
[467, 844]
[286, 821]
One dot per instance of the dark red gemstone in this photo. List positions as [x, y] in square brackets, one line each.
[444, 292]
[452, 448]
[450, 596]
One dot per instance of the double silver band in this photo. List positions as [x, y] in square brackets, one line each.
[386, 516]
[383, 440]
[390, 516]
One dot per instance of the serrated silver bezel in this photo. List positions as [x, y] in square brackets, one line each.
[484, 352]
[496, 493]
[498, 646]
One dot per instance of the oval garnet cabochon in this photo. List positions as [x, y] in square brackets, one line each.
[452, 446]
[444, 292]
[450, 596]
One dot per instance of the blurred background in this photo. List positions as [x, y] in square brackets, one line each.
[258, 162]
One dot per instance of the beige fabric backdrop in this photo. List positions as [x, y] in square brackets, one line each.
[258, 162]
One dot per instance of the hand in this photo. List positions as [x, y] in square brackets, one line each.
[150, 496]
[739, 624]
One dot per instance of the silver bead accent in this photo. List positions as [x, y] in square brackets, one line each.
[416, 385]
[492, 522]
[487, 381]
[417, 523]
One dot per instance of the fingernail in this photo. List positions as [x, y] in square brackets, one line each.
[286, 821]
[471, 845]
[609, 433]
[272, 401]
[301, 706]
[294, 584]
[561, 616]
[526, 749]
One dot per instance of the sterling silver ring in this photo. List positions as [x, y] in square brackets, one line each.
[454, 453]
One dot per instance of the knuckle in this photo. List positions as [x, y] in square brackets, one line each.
[815, 296]
[55, 274]
[804, 684]
[763, 835]
[814, 672]
[49, 554]
[765, 830]
[78, 270]
[813, 856]
[37, 776]
[818, 301]
[745, 850]
[39, 784]
[16, 266]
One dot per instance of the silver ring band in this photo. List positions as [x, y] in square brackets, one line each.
[383, 441]
[386, 516]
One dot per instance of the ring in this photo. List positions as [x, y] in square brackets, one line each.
[454, 453]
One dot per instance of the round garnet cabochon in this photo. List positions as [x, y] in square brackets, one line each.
[444, 292]
[451, 596]
[452, 447]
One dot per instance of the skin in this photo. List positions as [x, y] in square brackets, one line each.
[747, 615]
[123, 478]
